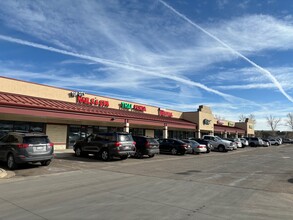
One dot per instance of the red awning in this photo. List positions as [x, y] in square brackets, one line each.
[40, 107]
[223, 128]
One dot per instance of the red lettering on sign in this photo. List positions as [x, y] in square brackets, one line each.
[139, 108]
[92, 101]
[103, 103]
[165, 114]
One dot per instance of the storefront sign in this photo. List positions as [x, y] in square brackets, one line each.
[92, 101]
[206, 122]
[230, 124]
[165, 114]
[76, 94]
[219, 122]
[126, 105]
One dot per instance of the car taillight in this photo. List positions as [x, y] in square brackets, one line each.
[134, 143]
[23, 145]
[117, 144]
[184, 146]
[201, 146]
[147, 144]
[51, 145]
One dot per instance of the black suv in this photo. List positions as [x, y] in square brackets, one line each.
[18, 147]
[173, 146]
[146, 146]
[106, 145]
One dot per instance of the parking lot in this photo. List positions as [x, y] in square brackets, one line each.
[250, 183]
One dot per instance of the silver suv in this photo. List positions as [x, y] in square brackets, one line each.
[218, 143]
[106, 145]
[254, 141]
[17, 148]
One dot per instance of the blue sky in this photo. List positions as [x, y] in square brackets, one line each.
[234, 56]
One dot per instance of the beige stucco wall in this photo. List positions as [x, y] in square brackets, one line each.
[150, 133]
[43, 91]
[57, 135]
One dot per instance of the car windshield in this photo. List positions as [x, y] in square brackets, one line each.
[217, 138]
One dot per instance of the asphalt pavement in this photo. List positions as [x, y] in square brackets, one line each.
[251, 183]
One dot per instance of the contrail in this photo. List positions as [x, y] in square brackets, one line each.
[261, 69]
[116, 64]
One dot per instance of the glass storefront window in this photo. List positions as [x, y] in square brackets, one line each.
[21, 127]
[158, 133]
[5, 126]
[137, 131]
[37, 127]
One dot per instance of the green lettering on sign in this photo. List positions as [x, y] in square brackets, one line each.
[126, 105]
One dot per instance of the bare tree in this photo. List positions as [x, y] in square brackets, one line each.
[251, 117]
[218, 117]
[242, 118]
[289, 120]
[273, 122]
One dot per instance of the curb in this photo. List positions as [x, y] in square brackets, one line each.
[3, 173]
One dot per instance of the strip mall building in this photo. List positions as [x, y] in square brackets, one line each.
[67, 115]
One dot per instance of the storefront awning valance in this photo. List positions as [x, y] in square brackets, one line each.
[223, 128]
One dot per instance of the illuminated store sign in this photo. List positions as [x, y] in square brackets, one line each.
[92, 101]
[126, 105]
[162, 112]
[206, 122]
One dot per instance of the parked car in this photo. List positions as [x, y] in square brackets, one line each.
[266, 142]
[238, 143]
[254, 141]
[145, 146]
[280, 140]
[106, 145]
[234, 144]
[244, 142]
[274, 141]
[18, 148]
[287, 140]
[209, 146]
[196, 147]
[173, 146]
[218, 143]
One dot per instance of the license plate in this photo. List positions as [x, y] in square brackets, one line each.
[39, 149]
[126, 148]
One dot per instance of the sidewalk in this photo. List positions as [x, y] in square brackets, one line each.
[3, 173]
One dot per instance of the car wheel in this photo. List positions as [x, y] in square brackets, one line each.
[105, 155]
[11, 162]
[174, 151]
[124, 157]
[221, 148]
[78, 152]
[45, 163]
[138, 155]
[152, 155]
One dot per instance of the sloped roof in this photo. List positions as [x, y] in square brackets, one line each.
[18, 102]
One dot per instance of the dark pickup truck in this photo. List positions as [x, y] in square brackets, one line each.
[106, 145]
